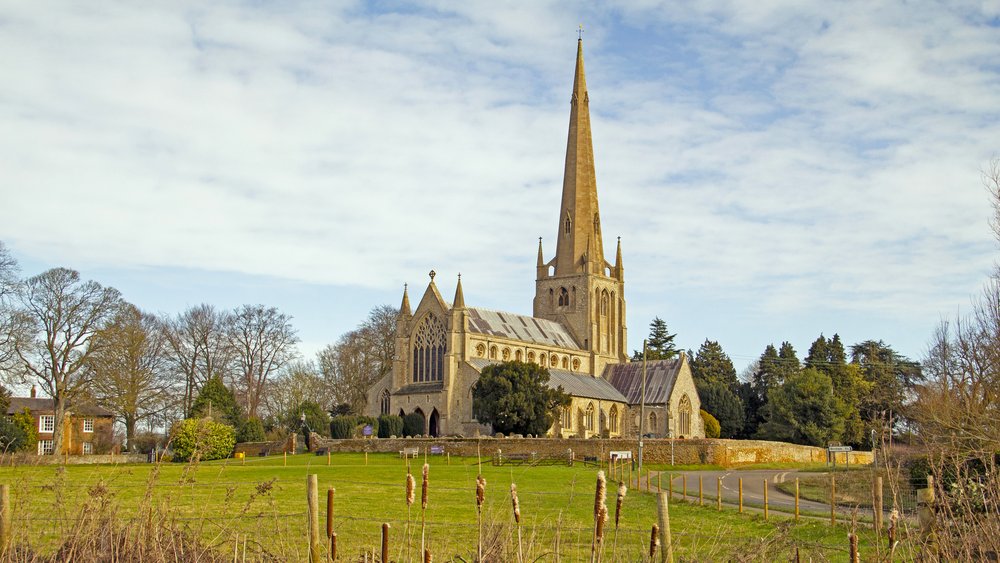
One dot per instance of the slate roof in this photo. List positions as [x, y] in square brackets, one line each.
[520, 327]
[660, 379]
[44, 406]
[419, 388]
[575, 384]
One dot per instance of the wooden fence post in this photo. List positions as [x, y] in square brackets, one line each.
[333, 547]
[877, 504]
[663, 509]
[701, 491]
[765, 499]
[925, 515]
[718, 493]
[385, 542]
[833, 499]
[741, 495]
[670, 486]
[796, 499]
[328, 456]
[659, 482]
[5, 525]
[329, 511]
[855, 556]
[684, 486]
[312, 498]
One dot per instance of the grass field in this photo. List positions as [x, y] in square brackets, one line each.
[262, 502]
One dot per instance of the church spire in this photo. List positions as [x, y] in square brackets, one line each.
[459, 296]
[404, 307]
[618, 261]
[579, 218]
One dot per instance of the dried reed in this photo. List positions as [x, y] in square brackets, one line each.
[600, 494]
[517, 520]
[622, 491]
[423, 510]
[480, 499]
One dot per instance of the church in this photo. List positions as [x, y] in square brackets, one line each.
[577, 329]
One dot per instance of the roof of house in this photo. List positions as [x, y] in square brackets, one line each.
[44, 406]
[660, 379]
[575, 384]
[520, 327]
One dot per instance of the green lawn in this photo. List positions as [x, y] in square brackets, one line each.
[264, 501]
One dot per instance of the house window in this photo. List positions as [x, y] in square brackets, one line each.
[47, 423]
[88, 425]
[46, 447]
[88, 448]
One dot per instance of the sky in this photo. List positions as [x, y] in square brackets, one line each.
[775, 169]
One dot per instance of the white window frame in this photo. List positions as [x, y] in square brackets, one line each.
[88, 448]
[88, 425]
[51, 419]
[46, 447]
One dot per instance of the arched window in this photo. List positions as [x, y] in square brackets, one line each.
[554, 360]
[481, 350]
[531, 357]
[684, 414]
[613, 418]
[493, 352]
[568, 224]
[576, 364]
[506, 354]
[542, 359]
[588, 418]
[565, 363]
[597, 223]
[563, 297]
[428, 350]
[652, 423]
[605, 300]
[384, 402]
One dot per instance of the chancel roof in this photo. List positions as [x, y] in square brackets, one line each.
[520, 327]
[575, 384]
[660, 378]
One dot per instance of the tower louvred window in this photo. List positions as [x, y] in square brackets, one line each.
[428, 350]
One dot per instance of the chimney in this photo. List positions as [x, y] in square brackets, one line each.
[32, 391]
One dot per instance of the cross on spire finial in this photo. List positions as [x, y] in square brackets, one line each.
[579, 32]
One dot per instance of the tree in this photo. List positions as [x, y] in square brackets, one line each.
[317, 418]
[9, 325]
[61, 314]
[202, 439]
[217, 402]
[712, 428]
[198, 350]
[829, 357]
[803, 410]
[660, 344]
[891, 378]
[128, 367]
[263, 341]
[297, 383]
[712, 365]
[725, 406]
[360, 358]
[514, 397]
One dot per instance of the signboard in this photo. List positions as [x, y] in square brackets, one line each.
[839, 449]
[625, 454]
[367, 430]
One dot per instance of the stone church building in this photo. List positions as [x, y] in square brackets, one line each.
[577, 330]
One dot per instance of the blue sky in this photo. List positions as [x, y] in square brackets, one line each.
[775, 169]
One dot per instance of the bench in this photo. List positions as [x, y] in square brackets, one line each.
[409, 452]
[437, 450]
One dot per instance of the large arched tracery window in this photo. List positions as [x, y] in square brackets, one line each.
[428, 350]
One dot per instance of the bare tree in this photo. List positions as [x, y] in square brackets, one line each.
[62, 314]
[198, 349]
[129, 364]
[299, 382]
[8, 287]
[360, 357]
[263, 341]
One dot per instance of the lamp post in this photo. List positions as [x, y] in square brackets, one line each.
[642, 404]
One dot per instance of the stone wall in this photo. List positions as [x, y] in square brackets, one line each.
[727, 453]
[26, 458]
[276, 447]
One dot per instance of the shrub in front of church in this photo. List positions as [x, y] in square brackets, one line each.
[712, 427]
[390, 425]
[413, 424]
[202, 438]
[252, 430]
[514, 398]
[342, 427]
[365, 420]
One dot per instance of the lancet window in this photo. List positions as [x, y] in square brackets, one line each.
[684, 424]
[428, 350]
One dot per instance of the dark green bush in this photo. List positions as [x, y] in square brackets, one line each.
[12, 436]
[342, 427]
[251, 431]
[390, 425]
[413, 424]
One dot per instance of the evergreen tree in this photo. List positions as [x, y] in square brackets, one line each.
[803, 410]
[217, 402]
[660, 344]
[514, 397]
[712, 365]
[891, 377]
[829, 357]
[722, 403]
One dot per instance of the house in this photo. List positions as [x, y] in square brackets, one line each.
[87, 428]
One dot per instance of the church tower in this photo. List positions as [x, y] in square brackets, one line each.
[578, 287]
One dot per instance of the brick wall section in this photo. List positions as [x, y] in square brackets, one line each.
[726, 453]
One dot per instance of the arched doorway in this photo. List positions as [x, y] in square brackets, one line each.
[434, 425]
[423, 423]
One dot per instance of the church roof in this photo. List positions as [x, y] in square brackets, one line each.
[419, 388]
[575, 384]
[660, 380]
[520, 327]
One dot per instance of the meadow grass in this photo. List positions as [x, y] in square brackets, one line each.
[260, 506]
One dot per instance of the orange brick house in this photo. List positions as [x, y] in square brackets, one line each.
[88, 429]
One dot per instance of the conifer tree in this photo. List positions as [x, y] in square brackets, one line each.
[660, 344]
